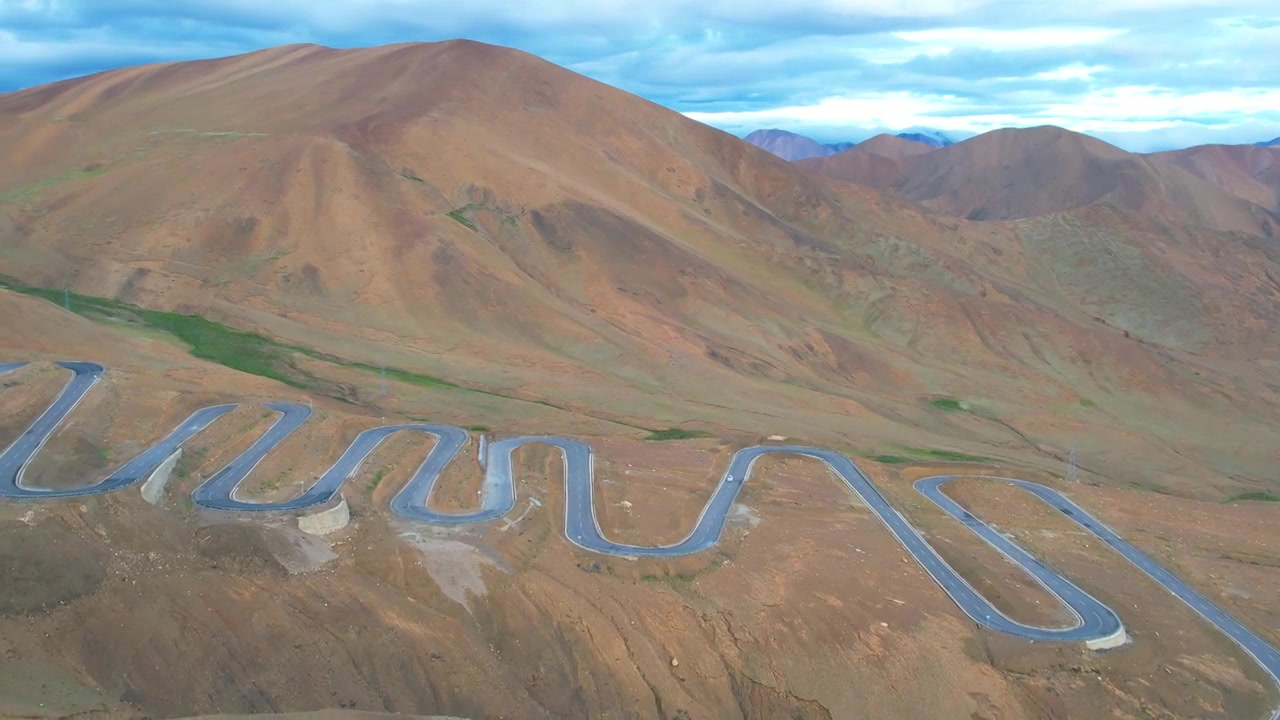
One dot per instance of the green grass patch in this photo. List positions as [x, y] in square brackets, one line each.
[1256, 496]
[373, 483]
[404, 376]
[683, 578]
[953, 455]
[259, 355]
[478, 428]
[676, 434]
[25, 191]
[191, 458]
[1087, 403]
[949, 405]
[216, 134]
[458, 215]
[891, 459]
[275, 483]
[906, 455]
[239, 350]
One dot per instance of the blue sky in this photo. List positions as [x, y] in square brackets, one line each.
[1145, 74]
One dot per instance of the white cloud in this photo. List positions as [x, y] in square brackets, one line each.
[1020, 39]
[1074, 71]
[1113, 110]
[799, 64]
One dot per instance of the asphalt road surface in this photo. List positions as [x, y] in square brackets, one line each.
[1094, 620]
[16, 457]
[1259, 649]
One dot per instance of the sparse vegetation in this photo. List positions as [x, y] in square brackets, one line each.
[676, 434]
[668, 577]
[458, 215]
[191, 458]
[404, 376]
[682, 578]
[373, 483]
[24, 191]
[478, 428]
[890, 459]
[906, 455]
[275, 483]
[409, 174]
[949, 405]
[208, 340]
[259, 355]
[218, 134]
[953, 455]
[1256, 496]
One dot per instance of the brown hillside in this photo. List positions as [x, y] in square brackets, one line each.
[117, 609]
[1248, 172]
[893, 146]
[875, 162]
[479, 214]
[1023, 173]
[859, 166]
[577, 260]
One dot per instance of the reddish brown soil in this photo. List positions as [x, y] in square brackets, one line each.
[581, 262]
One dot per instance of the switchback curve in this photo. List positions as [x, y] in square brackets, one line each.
[1095, 622]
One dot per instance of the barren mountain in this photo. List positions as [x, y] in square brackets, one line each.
[1033, 172]
[534, 252]
[793, 146]
[932, 138]
[893, 146]
[1248, 172]
[875, 162]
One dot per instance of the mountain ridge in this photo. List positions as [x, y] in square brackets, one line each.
[462, 233]
[794, 146]
[1001, 175]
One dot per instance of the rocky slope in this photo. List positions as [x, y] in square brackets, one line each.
[115, 608]
[532, 251]
[1034, 172]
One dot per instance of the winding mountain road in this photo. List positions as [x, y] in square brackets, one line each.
[1095, 624]
[16, 457]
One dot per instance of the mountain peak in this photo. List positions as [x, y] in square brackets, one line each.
[792, 146]
[895, 146]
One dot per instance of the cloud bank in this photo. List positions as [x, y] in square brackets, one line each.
[1143, 74]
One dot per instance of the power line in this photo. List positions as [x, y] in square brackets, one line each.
[1071, 464]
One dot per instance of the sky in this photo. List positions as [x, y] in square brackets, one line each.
[1143, 74]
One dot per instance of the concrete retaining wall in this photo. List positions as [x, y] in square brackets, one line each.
[326, 521]
[153, 487]
[1113, 640]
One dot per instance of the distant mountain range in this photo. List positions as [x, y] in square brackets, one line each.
[794, 146]
[1017, 173]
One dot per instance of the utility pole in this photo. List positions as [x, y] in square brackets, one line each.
[66, 298]
[1071, 464]
[382, 370]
